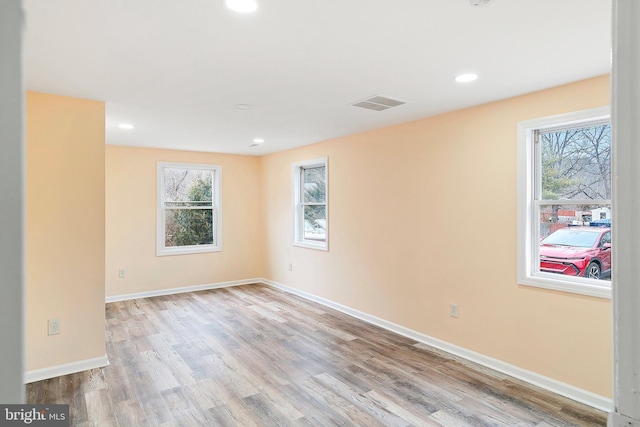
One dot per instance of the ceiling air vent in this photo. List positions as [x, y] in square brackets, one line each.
[378, 103]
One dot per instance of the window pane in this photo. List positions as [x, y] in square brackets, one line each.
[575, 240]
[188, 203]
[187, 186]
[576, 163]
[315, 223]
[314, 184]
[187, 227]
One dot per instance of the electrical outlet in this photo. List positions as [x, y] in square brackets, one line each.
[122, 273]
[453, 309]
[55, 327]
[290, 266]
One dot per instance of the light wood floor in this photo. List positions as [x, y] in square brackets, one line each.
[255, 356]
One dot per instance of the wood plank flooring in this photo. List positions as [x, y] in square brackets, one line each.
[255, 356]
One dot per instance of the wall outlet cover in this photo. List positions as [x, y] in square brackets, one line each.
[55, 327]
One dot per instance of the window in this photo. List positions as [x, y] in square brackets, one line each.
[564, 202]
[310, 204]
[188, 208]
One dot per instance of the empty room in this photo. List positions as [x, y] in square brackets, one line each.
[287, 212]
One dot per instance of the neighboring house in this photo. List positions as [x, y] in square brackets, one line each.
[600, 213]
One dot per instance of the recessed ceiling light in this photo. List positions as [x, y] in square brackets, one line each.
[242, 6]
[127, 126]
[258, 140]
[243, 106]
[466, 78]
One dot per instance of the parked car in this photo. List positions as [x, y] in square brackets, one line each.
[601, 223]
[577, 251]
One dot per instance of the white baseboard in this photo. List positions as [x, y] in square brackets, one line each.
[594, 400]
[66, 369]
[171, 291]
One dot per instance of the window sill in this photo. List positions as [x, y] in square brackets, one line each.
[312, 245]
[548, 281]
[185, 250]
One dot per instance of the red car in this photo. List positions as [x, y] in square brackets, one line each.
[577, 251]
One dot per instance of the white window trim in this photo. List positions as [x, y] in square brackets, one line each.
[298, 216]
[161, 250]
[527, 233]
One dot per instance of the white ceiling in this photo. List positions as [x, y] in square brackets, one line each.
[176, 69]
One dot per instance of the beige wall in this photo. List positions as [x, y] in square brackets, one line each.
[422, 215]
[131, 223]
[65, 229]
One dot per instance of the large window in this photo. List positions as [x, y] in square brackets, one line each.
[564, 206]
[310, 204]
[188, 208]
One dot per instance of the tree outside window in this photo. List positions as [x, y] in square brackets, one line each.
[188, 208]
[575, 166]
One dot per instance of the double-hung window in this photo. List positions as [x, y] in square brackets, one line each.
[188, 213]
[310, 194]
[564, 202]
